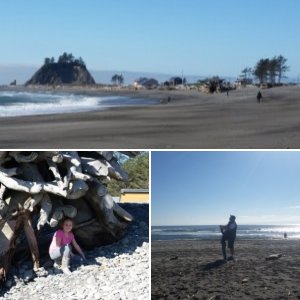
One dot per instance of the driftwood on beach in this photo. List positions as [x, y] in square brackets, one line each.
[39, 188]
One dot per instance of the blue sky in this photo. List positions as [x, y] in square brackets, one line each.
[195, 188]
[168, 36]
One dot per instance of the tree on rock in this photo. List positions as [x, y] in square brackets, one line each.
[67, 70]
[47, 61]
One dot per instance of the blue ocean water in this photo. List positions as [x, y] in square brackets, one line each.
[25, 103]
[206, 232]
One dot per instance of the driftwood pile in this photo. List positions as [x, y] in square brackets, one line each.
[215, 85]
[39, 188]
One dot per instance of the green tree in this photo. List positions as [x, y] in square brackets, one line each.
[114, 79]
[117, 79]
[266, 70]
[261, 70]
[70, 58]
[246, 76]
[282, 68]
[272, 70]
[138, 170]
[63, 59]
[121, 79]
[249, 73]
[47, 61]
[81, 62]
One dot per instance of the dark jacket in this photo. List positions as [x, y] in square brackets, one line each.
[230, 231]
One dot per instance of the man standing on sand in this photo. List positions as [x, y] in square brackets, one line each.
[228, 234]
[259, 96]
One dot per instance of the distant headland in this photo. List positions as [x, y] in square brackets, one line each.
[67, 70]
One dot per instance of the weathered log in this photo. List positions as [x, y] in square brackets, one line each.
[11, 226]
[46, 208]
[9, 172]
[3, 155]
[65, 210]
[95, 167]
[8, 237]
[62, 184]
[108, 155]
[21, 158]
[29, 186]
[274, 256]
[115, 171]
[105, 207]
[31, 202]
[55, 156]
[31, 239]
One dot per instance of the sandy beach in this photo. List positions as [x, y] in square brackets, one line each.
[191, 120]
[194, 270]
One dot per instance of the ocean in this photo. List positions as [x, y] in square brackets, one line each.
[14, 103]
[207, 232]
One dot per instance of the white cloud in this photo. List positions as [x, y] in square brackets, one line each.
[294, 207]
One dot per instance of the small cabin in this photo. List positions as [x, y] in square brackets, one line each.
[134, 196]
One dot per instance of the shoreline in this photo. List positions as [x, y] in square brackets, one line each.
[218, 239]
[196, 270]
[60, 108]
[192, 120]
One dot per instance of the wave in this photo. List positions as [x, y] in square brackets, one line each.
[25, 103]
[15, 94]
[213, 232]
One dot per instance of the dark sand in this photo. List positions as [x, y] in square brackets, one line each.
[191, 120]
[198, 272]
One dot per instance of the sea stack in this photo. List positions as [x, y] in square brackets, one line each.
[67, 70]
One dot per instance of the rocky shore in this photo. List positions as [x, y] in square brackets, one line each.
[117, 271]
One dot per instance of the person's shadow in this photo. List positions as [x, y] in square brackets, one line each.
[213, 265]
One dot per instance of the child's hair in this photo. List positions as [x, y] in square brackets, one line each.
[63, 220]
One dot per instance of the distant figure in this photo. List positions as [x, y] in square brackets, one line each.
[259, 97]
[227, 91]
[228, 234]
[169, 99]
[285, 235]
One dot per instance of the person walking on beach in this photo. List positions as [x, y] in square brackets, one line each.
[259, 97]
[61, 246]
[228, 234]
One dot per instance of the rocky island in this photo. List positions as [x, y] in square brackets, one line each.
[67, 70]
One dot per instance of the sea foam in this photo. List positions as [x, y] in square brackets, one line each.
[26, 103]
